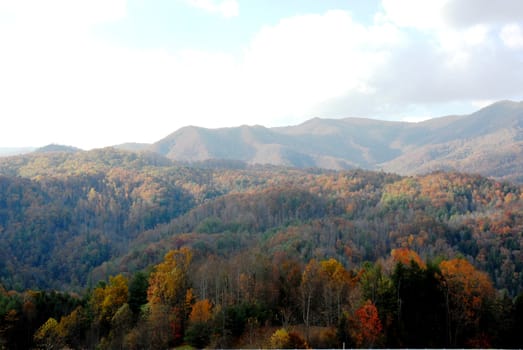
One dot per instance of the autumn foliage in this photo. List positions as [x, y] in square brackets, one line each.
[406, 257]
[467, 291]
[151, 254]
[366, 326]
[448, 304]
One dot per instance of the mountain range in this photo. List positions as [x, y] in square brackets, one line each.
[253, 239]
[488, 142]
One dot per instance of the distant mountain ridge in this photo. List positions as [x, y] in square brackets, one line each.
[14, 151]
[489, 142]
[51, 148]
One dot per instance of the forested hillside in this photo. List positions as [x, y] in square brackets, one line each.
[159, 253]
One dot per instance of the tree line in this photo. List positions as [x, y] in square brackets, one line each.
[255, 300]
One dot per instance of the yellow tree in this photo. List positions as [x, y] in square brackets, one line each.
[46, 337]
[335, 282]
[71, 328]
[167, 296]
[201, 311]
[169, 282]
[105, 301]
[466, 291]
[281, 339]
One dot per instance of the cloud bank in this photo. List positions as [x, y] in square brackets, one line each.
[60, 83]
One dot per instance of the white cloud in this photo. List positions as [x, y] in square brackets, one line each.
[287, 69]
[50, 14]
[307, 59]
[61, 84]
[114, 94]
[46, 57]
[512, 36]
[72, 88]
[414, 13]
[448, 60]
[226, 8]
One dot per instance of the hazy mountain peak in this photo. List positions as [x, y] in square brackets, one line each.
[440, 143]
[57, 148]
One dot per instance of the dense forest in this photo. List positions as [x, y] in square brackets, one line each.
[116, 249]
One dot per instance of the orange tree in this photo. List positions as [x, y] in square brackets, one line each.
[366, 326]
[468, 293]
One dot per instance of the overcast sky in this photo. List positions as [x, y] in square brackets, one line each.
[96, 73]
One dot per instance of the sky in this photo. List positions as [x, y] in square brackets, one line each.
[97, 73]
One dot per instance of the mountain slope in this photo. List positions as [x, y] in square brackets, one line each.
[68, 220]
[489, 142]
[335, 144]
